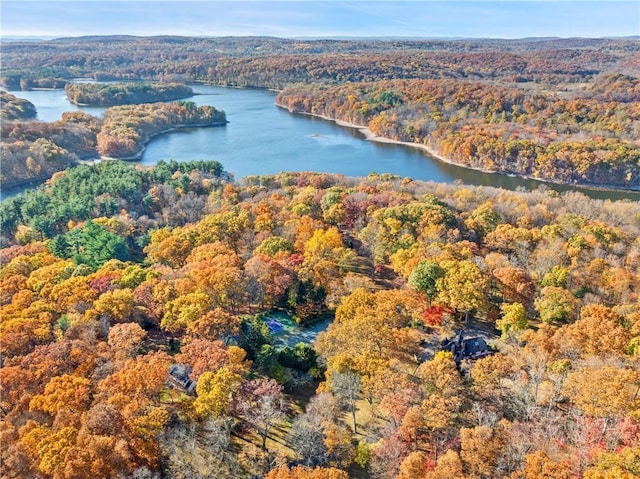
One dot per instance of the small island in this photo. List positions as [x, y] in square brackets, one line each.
[113, 94]
[14, 108]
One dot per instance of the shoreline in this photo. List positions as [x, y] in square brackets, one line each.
[138, 156]
[91, 105]
[39, 179]
[371, 136]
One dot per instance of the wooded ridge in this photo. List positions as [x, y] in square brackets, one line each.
[112, 94]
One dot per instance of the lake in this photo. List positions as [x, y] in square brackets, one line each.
[264, 139]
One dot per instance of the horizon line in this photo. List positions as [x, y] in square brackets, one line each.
[322, 37]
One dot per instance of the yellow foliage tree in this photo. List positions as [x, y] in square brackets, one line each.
[214, 392]
[117, 305]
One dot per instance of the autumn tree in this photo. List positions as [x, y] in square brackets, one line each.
[463, 286]
[116, 306]
[479, 448]
[448, 466]
[538, 465]
[166, 247]
[221, 278]
[214, 324]
[204, 355]
[214, 392]
[599, 330]
[303, 472]
[268, 280]
[622, 464]
[134, 390]
[326, 256]
[381, 322]
[185, 310]
[483, 220]
[605, 392]
[490, 375]
[515, 285]
[50, 447]
[514, 319]
[413, 466]
[273, 245]
[556, 305]
[125, 339]
[69, 393]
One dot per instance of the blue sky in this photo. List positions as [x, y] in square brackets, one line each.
[303, 18]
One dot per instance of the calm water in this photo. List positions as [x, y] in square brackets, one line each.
[264, 139]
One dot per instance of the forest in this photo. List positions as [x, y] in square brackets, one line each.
[266, 62]
[136, 304]
[34, 150]
[588, 139]
[117, 278]
[111, 94]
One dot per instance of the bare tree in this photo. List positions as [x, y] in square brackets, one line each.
[306, 438]
[347, 386]
[262, 405]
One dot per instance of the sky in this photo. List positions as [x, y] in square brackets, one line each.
[332, 18]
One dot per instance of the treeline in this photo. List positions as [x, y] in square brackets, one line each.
[110, 94]
[36, 150]
[108, 285]
[275, 63]
[14, 108]
[588, 140]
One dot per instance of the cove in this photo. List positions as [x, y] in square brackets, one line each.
[262, 139]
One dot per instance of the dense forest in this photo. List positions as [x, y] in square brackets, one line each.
[274, 63]
[137, 305]
[111, 94]
[117, 282]
[589, 139]
[33, 150]
[563, 110]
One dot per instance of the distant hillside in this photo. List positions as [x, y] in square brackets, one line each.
[268, 62]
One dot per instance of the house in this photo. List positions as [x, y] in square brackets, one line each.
[469, 348]
[179, 378]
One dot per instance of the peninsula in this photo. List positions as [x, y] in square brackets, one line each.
[112, 94]
[33, 151]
